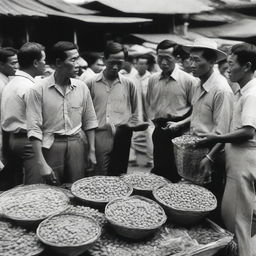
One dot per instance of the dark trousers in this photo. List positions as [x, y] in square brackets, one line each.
[119, 156]
[164, 162]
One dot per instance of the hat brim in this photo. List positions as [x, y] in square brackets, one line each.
[220, 54]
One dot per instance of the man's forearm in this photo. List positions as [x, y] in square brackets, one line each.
[37, 148]
[90, 134]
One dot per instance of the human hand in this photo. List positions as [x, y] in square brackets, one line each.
[172, 126]
[92, 157]
[205, 169]
[207, 139]
[47, 174]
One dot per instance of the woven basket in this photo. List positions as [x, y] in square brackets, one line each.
[137, 190]
[131, 232]
[100, 203]
[68, 250]
[187, 159]
[183, 217]
[26, 222]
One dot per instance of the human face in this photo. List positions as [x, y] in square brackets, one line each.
[98, 66]
[224, 69]
[70, 66]
[11, 65]
[40, 64]
[166, 60]
[236, 72]
[199, 65]
[114, 64]
[142, 66]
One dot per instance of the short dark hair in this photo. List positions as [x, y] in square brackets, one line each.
[59, 49]
[245, 53]
[113, 48]
[208, 54]
[29, 52]
[165, 44]
[91, 57]
[7, 52]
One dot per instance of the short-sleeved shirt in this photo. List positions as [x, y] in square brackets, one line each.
[170, 97]
[50, 111]
[115, 104]
[212, 106]
[244, 110]
[13, 105]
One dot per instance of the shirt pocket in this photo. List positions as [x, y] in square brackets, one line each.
[75, 114]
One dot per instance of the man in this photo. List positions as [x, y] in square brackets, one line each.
[239, 196]
[168, 97]
[58, 108]
[142, 144]
[212, 107]
[115, 101]
[31, 57]
[95, 65]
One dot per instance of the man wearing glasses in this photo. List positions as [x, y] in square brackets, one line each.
[168, 97]
[115, 102]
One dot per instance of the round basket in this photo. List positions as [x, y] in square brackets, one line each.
[183, 215]
[103, 189]
[188, 157]
[22, 193]
[68, 249]
[132, 232]
[144, 183]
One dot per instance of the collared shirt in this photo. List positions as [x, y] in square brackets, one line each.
[244, 110]
[3, 81]
[115, 104]
[50, 111]
[170, 97]
[13, 105]
[212, 106]
[87, 75]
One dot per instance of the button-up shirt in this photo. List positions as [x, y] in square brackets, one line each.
[87, 75]
[244, 110]
[13, 105]
[51, 111]
[115, 104]
[170, 97]
[212, 106]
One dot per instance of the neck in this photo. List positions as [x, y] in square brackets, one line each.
[30, 71]
[108, 76]
[61, 79]
[168, 73]
[205, 77]
[247, 78]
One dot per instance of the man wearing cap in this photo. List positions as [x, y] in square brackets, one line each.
[168, 97]
[212, 107]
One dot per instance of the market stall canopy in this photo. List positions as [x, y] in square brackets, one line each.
[152, 6]
[240, 29]
[180, 39]
[45, 8]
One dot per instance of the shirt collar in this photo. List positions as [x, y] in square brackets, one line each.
[208, 83]
[101, 77]
[52, 82]
[4, 78]
[24, 74]
[248, 86]
[174, 75]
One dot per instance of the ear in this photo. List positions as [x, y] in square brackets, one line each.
[35, 63]
[247, 67]
[58, 62]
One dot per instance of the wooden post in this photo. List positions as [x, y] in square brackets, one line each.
[75, 37]
[27, 35]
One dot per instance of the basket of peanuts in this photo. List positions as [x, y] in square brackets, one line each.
[188, 156]
[185, 204]
[135, 217]
[97, 191]
[144, 183]
[68, 234]
[28, 205]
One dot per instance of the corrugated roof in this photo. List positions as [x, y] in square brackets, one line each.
[153, 6]
[240, 29]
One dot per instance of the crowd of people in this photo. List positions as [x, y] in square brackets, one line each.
[77, 121]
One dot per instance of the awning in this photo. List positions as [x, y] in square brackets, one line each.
[180, 39]
[152, 6]
[240, 29]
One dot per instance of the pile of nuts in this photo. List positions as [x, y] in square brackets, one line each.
[135, 212]
[16, 241]
[186, 141]
[186, 197]
[68, 230]
[33, 204]
[88, 212]
[144, 181]
[100, 188]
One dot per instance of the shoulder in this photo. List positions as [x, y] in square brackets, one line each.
[187, 78]
[126, 81]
